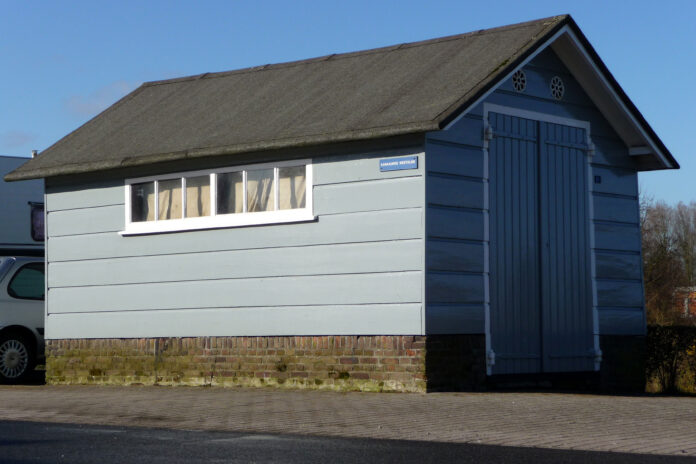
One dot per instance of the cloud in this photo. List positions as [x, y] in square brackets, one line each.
[89, 105]
[14, 139]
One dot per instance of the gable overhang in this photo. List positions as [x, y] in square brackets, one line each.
[578, 55]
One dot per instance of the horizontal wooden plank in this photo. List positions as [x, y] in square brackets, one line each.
[454, 191]
[455, 319]
[617, 237]
[616, 209]
[616, 181]
[465, 131]
[619, 293]
[344, 228]
[451, 255]
[400, 287]
[360, 167]
[621, 321]
[85, 221]
[405, 192]
[353, 258]
[455, 223]
[90, 195]
[454, 288]
[617, 265]
[453, 159]
[388, 319]
[610, 151]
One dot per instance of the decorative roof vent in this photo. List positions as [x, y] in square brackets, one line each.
[557, 87]
[519, 81]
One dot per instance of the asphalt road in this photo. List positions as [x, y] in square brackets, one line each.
[32, 442]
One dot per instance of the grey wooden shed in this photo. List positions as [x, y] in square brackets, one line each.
[412, 217]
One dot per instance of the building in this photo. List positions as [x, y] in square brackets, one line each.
[413, 218]
[21, 213]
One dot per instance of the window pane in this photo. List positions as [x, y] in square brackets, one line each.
[198, 196]
[143, 202]
[230, 193]
[37, 222]
[28, 282]
[260, 190]
[169, 199]
[291, 187]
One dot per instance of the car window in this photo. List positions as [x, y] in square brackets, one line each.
[28, 282]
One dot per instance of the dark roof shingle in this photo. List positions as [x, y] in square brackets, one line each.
[402, 89]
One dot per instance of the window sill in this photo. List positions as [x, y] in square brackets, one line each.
[218, 222]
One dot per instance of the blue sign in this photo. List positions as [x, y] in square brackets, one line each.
[397, 164]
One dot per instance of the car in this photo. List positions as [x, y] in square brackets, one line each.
[22, 289]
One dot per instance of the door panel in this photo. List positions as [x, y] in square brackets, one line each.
[540, 280]
[568, 341]
[514, 251]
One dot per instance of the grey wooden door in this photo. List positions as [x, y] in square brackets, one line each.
[540, 277]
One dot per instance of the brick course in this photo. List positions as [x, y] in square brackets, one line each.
[366, 363]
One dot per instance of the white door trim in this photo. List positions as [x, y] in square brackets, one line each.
[488, 135]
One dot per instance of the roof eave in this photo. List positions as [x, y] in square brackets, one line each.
[348, 136]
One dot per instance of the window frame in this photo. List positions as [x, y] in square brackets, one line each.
[215, 220]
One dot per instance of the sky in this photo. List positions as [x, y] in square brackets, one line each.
[61, 63]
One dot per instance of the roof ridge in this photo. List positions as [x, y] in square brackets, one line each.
[338, 56]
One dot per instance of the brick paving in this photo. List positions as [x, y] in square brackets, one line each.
[641, 424]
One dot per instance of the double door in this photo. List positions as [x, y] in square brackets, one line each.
[540, 280]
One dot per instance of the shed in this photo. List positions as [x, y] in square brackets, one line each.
[411, 218]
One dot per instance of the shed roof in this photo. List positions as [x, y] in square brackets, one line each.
[402, 89]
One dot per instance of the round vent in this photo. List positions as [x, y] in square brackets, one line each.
[557, 87]
[519, 81]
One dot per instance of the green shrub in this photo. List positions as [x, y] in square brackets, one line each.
[671, 357]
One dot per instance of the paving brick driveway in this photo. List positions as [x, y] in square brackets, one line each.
[660, 425]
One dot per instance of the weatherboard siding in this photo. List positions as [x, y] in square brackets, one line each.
[357, 269]
[457, 210]
[455, 230]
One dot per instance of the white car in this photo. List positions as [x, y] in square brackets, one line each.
[22, 287]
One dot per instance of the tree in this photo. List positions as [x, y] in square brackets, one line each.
[669, 252]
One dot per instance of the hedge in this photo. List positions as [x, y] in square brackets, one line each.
[671, 359]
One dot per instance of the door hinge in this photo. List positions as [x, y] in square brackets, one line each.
[490, 358]
[488, 133]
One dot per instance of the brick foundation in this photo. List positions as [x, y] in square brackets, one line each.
[455, 362]
[366, 363]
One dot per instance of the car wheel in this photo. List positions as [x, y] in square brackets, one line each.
[17, 358]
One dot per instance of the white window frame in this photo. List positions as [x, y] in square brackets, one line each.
[217, 221]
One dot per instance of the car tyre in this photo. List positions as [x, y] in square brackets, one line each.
[17, 358]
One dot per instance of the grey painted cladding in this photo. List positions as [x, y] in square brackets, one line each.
[357, 269]
[457, 210]
[401, 252]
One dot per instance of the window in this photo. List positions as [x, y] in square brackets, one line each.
[28, 282]
[229, 197]
[37, 221]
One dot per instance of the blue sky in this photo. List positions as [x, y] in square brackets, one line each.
[63, 62]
